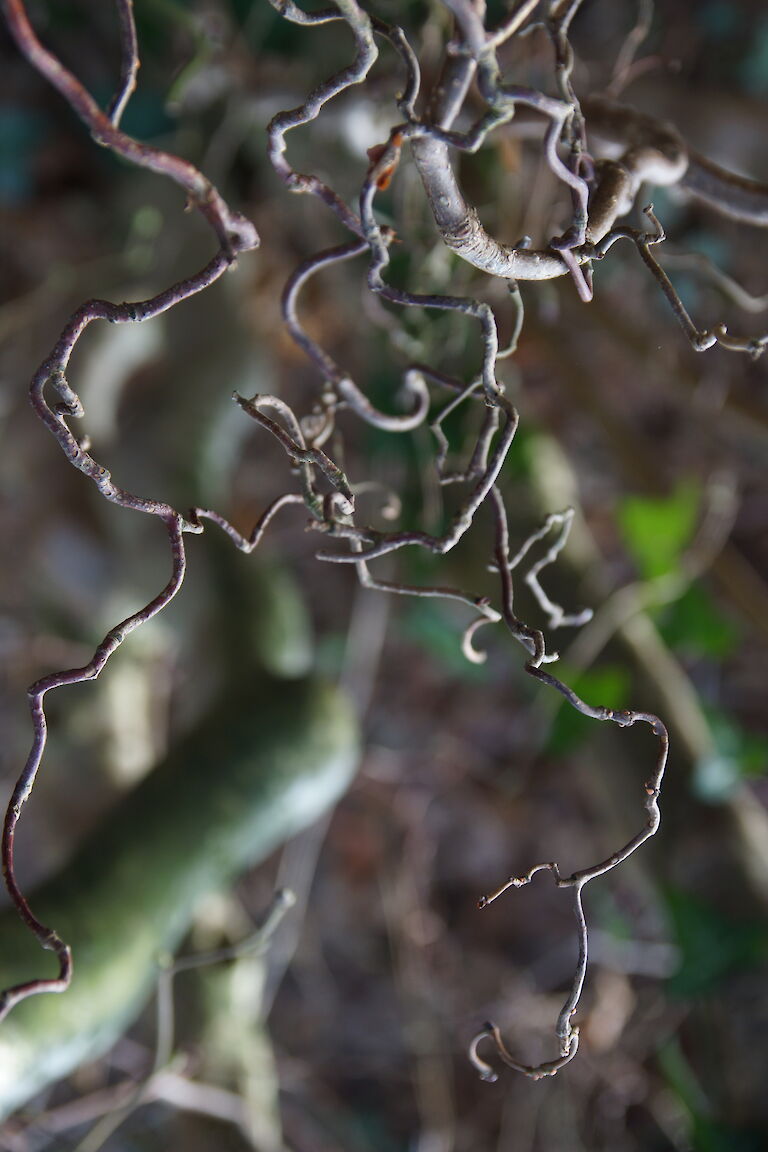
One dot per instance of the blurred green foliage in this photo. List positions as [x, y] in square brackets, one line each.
[755, 68]
[711, 945]
[706, 1132]
[21, 132]
[695, 626]
[738, 755]
[656, 530]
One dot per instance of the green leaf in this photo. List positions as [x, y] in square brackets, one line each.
[655, 530]
[695, 626]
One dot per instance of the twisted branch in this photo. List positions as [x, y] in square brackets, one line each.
[630, 149]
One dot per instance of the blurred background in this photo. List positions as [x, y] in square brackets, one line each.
[350, 1034]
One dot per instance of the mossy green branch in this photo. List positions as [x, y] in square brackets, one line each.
[263, 765]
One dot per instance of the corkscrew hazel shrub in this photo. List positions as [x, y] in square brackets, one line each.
[601, 151]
